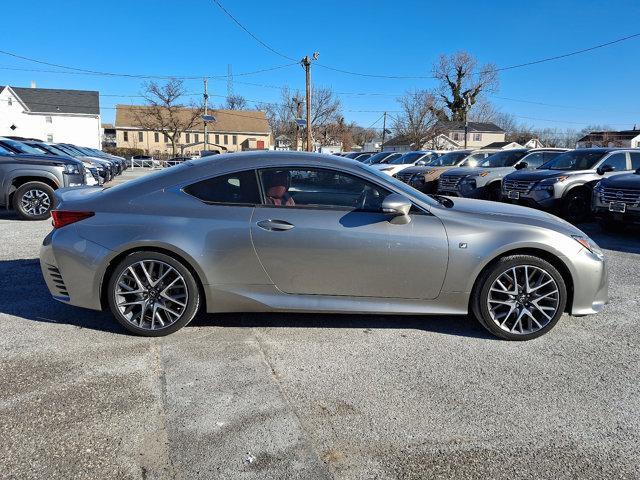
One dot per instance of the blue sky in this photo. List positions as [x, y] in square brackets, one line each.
[404, 37]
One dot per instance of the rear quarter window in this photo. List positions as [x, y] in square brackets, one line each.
[233, 189]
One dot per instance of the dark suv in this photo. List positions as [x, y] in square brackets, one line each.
[27, 181]
[616, 200]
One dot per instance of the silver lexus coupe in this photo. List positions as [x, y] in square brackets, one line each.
[287, 231]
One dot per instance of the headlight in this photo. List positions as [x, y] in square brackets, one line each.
[72, 169]
[589, 244]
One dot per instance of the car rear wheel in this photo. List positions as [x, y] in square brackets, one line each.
[519, 297]
[152, 294]
[33, 201]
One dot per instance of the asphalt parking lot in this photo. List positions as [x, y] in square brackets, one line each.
[313, 396]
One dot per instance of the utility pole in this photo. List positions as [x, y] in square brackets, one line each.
[384, 130]
[298, 102]
[206, 102]
[306, 63]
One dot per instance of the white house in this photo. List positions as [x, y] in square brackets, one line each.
[63, 116]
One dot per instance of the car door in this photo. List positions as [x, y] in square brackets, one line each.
[327, 235]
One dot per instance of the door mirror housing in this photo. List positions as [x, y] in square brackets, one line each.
[396, 204]
[421, 163]
[604, 169]
[522, 165]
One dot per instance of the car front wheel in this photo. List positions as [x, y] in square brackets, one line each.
[33, 201]
[152, 294]
[519, 297]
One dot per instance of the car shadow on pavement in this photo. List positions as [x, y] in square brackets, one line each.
[627, 241]
[463, 326]
[25, 295]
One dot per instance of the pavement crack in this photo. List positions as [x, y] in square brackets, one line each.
[289, 405]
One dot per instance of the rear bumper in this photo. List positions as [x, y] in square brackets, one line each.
[71, 267]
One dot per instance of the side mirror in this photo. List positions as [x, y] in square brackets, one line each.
[396, 204]
[421, 163]
[522, 165]
[604, 169]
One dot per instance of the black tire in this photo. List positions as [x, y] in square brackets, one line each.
[611, 226]
[494, 192]
[35, 191]
[576, 206]
[480, 294]
[188, 312]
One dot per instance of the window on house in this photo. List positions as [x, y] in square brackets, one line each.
[50, 137]
[208, 137]
[234, 139]
[217, 139]
[166, 138]
[141, 136]
[196, 137]
[10, 101]
[226, 139]
[48, 119]
[156, 137]
[125, 136]
[477, 137]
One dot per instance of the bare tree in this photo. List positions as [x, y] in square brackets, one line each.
[417, 120]
[235, 102]
[164, 112]
[461, 84]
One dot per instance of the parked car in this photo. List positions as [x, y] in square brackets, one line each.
[564, 185]
[485, 180]
[27, 181]
[108, 170]
[382, 157]
[424, 177]
[406, 160]
[94, 170]
[364, 156]
[616, 200]
[278, 231]
[144, 161]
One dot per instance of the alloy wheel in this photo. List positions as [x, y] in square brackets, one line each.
[151, 294]
[35, 202]
[523, 299]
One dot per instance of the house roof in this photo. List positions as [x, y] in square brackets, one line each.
[253, 121]
[610, 136]
[473, 126]
[500, 144]
[46, 100]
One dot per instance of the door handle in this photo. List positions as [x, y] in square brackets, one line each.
[275, 225]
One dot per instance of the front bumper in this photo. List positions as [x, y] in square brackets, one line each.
[71, 267]
[601, 211]
[590, 283]
[535, 199]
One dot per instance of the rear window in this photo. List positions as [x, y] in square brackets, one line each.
[240, 188]
[635, 160]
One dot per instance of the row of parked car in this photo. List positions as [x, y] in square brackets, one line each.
[30, 171]
[576, 184]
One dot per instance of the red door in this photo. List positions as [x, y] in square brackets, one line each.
[260, 144]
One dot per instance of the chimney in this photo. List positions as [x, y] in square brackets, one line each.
[33, 84]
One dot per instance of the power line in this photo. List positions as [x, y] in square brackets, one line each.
[83, 71]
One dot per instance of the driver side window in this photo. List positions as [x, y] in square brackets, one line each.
[317, 187]
[618, 161]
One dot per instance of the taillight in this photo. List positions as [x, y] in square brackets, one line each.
[66, 217]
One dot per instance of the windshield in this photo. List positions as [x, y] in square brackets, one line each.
[4, 151]
[352, 155]
[377, 158]
[474, 160]
[49, 149]
[410, 157]
[574, 160]
[448, 159]
[68, 150]
[19, 146]
[508, 158]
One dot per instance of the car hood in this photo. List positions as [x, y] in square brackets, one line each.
[28, 158]
[505, 212]
[627, 180]
[537, 175]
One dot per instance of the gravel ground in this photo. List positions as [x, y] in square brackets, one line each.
[313, 396]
